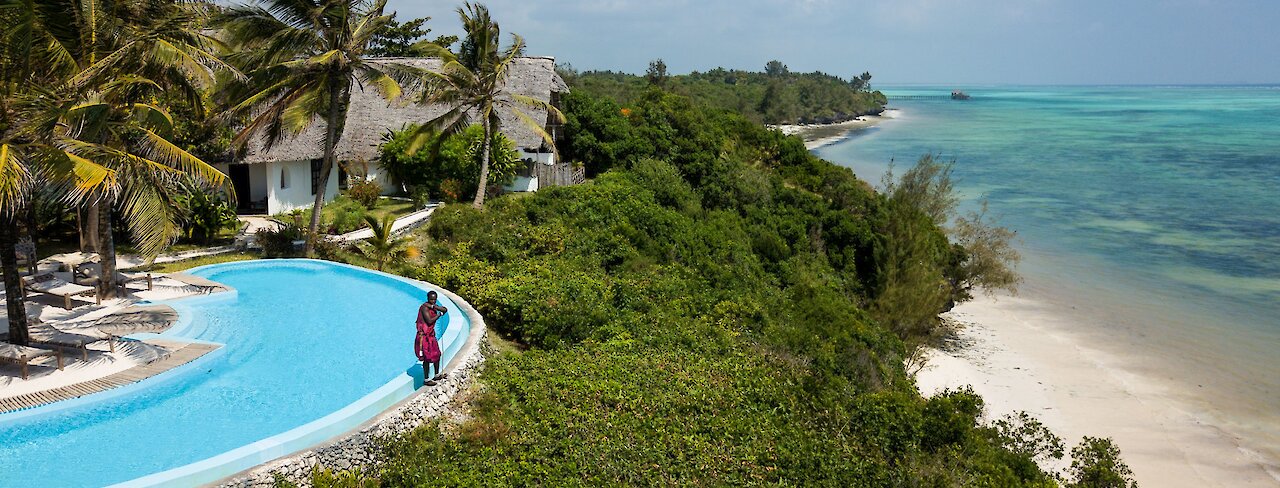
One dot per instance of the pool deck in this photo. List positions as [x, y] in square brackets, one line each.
[180, 353]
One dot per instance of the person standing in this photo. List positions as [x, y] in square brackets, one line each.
[425, 345]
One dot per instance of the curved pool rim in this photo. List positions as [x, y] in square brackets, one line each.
[329, 428]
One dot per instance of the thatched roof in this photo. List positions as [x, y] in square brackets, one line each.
[370, 116]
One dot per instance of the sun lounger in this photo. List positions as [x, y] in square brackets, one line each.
[132, 320]
[88, 274]
[50, 285]
[203, 285]
[44, 335]
[22, 355]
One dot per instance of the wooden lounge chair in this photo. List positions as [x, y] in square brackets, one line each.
[22, 355]
[50, 285]
[132, 320]
[51, 337]
[89, 274]
[200, 284]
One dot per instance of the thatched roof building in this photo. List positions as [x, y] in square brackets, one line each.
[370, 116]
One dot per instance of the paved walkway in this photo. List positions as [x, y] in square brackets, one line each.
[403, 224]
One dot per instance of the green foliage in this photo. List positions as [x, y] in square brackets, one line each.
[384, 247]
[453, 158]
[694, 316]
[203, 212]
[365, 193]
[1023, 434]
[1096, 463]
[403, 39]
[278, 243]
[776, 96]
[920, 272]
[343, 215]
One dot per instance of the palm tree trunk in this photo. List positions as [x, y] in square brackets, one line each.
[89, 228]
[332, 132]
[484, 165]
[31, 234]
[12, 281]
[106, 253]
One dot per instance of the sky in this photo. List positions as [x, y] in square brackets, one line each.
[903, 41]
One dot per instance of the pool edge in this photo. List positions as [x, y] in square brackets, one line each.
[370, 413]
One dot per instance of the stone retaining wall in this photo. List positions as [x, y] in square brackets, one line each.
[358, 448]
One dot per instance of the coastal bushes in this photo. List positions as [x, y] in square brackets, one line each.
[776, 96]
[693, 315]
[700, 313]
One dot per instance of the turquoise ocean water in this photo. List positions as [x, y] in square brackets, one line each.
[1154, 212]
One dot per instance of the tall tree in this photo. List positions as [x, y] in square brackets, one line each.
[473, 84]
[74, 71]
[657, 73]
[302, 58]
[402, 39]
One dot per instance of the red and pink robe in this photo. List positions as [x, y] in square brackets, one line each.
[425, 345]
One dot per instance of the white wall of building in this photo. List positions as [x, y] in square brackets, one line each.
[379, 176]
[530, 183]
[289, 185]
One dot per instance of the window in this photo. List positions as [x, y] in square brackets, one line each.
[284, 178]
[315, 174]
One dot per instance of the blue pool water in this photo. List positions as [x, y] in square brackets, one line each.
[302, 338]
[1156, 209]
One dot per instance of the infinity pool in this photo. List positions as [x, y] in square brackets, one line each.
[302, 339]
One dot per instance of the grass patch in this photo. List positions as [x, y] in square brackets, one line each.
[185, 264]
[344, 215]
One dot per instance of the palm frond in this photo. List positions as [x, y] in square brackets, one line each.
[150, 215]
[385, 84]
[15, 179]
[161, 150]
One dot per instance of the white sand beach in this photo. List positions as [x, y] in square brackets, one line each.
[819, 135]
[1023, 354]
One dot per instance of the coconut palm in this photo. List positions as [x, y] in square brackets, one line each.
[383, 248]
[473, 84]
[30, 59]
[302, 58]
[129, 54]
[77, 117]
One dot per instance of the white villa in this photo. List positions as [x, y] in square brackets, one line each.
[286, 176]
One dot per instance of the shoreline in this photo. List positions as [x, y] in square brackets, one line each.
[1028, 354]
[819, 135]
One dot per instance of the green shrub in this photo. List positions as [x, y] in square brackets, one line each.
[453, 161]
[421, 197]
[278, 243]
[1095, 463]
[203, 212]
[348, 215]
[365, 193]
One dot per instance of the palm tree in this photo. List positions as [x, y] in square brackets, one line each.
[76, 121]
[302, 58]
[30, 58]
[383, 248]
[128, 54]
[473, 83]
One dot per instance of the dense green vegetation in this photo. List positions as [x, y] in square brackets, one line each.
[776, 96]
[447, 167]
[698, 313]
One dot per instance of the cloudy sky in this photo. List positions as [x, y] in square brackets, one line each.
[905, 41]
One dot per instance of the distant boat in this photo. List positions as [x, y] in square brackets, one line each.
[959, 95]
